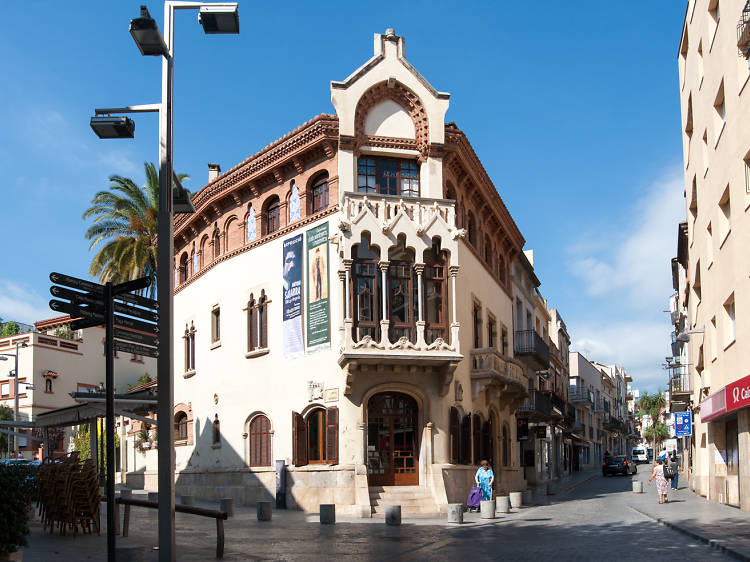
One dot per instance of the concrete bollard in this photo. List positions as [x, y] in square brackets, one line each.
[551, 488]
[638, 487]
[393, 515]
[503, 504]
[455, 513]
[516, 499]
[130, 553]
[187, 500]
[264, 511]
[487, 509]
[227, 504]
[153, 496]
[327, 514]
[527, 498]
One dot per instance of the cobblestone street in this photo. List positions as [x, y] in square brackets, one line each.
[597, 513]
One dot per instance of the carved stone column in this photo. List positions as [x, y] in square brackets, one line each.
[453, 270]
[384, 323]
[348, 325]
[421, 344]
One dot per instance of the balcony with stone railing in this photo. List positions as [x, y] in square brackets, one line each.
[490, 368]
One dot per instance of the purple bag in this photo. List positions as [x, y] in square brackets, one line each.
[475, 496]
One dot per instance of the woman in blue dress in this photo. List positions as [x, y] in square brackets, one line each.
[484, 478]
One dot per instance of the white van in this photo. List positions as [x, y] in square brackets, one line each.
[639, 455]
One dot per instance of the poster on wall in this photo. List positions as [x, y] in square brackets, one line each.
[292, 297]
[318, 302]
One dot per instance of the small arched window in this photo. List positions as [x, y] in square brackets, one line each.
[273, 215]
[295, 210]
[471, 230]
[320, 193]
[476, 437]
[216, 243]
[183, 268]
[181, 427]
[251, 228]
[487, 251]
[455, 435]
[259, 434]
[48, 386]
[193, 261]
[217, 430]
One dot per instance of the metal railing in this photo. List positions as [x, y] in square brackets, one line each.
[680, 384]
[577, 394]
[528, 342]
[743, 31]
[537, 403]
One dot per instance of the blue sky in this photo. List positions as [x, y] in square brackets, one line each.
[573, 109]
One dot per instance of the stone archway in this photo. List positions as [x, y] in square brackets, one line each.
[392, 440]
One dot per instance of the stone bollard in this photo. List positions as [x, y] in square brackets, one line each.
[327, 514]
[130, 553]
[503, 504]
[187, 500]
[527, 498]
[153, 496]
[455, 513]
[264, 511]
[393, 515]
[638, 487]
[227, 504]
[516, 499]
[487, 509]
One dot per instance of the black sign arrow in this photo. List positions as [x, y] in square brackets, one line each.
[75, 311]
[139, 300]
[85, 323]
[137, 312]
[123, 322]
[136, 349]
[82, 284]
[147, 339]
[76, 297]
[134, 285]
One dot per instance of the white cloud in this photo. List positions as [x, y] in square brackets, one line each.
[635, 263]
[22, 304]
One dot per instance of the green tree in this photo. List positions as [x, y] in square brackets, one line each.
[125, 228]
[652, 405]
[64, 331]
[145, 379]
[10, 329]
[6, 414]
[82, 442]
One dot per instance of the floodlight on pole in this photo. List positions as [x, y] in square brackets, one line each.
[113, 127]
[219, 18]
[146, 35]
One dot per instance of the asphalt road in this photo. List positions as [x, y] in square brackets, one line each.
[591, 522]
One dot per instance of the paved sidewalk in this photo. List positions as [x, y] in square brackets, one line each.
[723, 527]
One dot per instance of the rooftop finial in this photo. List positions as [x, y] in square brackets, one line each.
[390, 32]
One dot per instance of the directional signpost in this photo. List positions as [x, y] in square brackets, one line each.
[131, 323]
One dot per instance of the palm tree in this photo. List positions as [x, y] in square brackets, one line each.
[652, 405]
[125, 222]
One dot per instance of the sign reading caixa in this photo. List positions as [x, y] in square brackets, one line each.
[732, 397]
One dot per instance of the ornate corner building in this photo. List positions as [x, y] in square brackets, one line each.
[344, 302]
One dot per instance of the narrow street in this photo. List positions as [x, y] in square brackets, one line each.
[597, 516]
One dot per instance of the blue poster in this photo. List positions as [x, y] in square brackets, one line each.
[292, 297]
[683, 426]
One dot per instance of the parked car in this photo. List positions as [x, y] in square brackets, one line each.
[639, 455]
[618, 464]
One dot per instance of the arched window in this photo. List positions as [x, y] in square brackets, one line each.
[435, 293]
[471, 230]
[216, 430]
[273, 215]
[203, 257]
[183, 267]
[320, 193]
[215, 241]
[487, 251]
[455, 436]
[252, 324]
[476, 437]
[316, 438]
[295, 212]
[366, 288]
[259, 436]
[485, 451]
[193, 261]
[251, 229]
[402, 293]
[506, 445]
[48, 385]
[181, 426]
[263, 320]
[501, 272]
[465, 440]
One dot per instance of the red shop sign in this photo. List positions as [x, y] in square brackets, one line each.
[738, 394]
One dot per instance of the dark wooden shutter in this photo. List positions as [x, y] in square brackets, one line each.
[299, 440]
[332, 435]
[476, 434]
[252, 325]
[263, 312]
[455, 428]
[465, 442]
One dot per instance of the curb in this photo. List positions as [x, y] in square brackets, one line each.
[713, 543]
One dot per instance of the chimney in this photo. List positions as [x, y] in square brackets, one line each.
[214, 170]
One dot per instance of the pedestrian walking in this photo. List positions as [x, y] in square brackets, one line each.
[485, 478]
[662, 484]
[674, 466]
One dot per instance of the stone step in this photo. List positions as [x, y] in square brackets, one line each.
[408, 510]
[402, 501]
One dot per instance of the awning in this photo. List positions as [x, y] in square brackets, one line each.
[734, 396]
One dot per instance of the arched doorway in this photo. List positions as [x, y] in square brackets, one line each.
[392, 440]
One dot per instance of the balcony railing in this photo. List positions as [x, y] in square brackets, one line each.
[387, 207]
[743, 31]
[488, 365]
[529, 344]
[537, 406]
[557, 403]
[599, 405]
[680, 384]
[577, 394]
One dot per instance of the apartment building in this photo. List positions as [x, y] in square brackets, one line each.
[715, 97]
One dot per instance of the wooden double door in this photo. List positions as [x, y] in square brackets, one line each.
[392, 440]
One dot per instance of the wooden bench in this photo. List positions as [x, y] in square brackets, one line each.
[220, 516]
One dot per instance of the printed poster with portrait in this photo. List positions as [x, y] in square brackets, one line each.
[292, 297]
[318, 302]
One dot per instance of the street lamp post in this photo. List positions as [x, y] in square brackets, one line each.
[215, 18]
